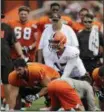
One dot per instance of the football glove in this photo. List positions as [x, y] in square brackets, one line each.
[100, 96]
[25, 49]
[31, 98]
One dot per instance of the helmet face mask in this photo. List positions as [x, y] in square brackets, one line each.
[54, 45]
[57, 42]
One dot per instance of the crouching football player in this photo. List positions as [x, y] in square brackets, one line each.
[29, 75]
[98, 77]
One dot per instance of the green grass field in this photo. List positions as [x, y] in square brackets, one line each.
[40, 103]
[37, 105]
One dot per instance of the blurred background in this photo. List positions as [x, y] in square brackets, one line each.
[41, 7]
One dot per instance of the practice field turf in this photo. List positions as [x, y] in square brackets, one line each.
[37, 105]
[40, 103]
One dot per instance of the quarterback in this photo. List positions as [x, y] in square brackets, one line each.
[64, 58]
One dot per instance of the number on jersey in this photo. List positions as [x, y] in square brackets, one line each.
[26, 32]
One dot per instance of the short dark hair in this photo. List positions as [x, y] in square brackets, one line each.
[101, 71]
[89, 16]
[24, 8]
[19, 63]
[54, 4]
[83, 9]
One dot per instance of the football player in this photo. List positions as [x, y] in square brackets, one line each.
[63, 95]
[83, 88]
[98, 77]
[64, 58]
[31, 75]
[48, 33]
[78, 26]
[45, 21]
[25, 31]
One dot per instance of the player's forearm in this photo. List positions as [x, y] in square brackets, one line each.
[68, 68]
[43, 92]
[13, 96]
[19, 49]
[40, 56]
[32, 46]
[12, 103]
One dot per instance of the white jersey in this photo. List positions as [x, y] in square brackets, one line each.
[48, 34]
[67, 62]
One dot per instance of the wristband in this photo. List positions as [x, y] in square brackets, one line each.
[37, 96]
[26, 59]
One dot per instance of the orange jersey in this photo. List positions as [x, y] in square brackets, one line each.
[97, 23]
[77, 26]
[67, 20]
[63, 95]
[36, 72]
[96, 77]
[25, 35]
[41, 24]
[44, 21]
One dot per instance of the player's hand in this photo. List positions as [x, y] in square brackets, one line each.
[31, 98]
[100, 95]
[26, 59]
[25, 49]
